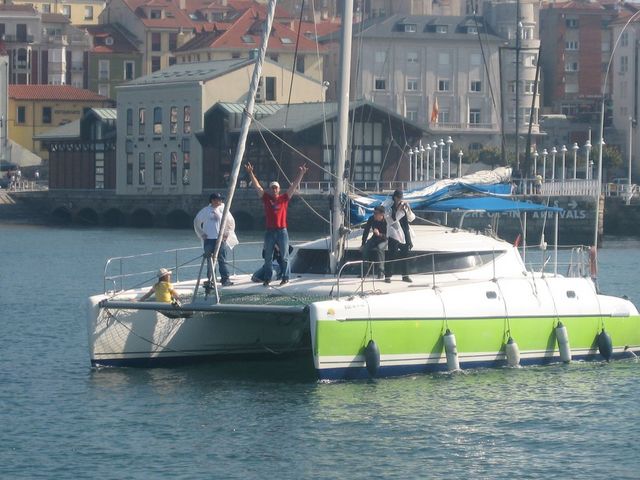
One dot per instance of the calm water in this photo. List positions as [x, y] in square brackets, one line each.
[61, 419]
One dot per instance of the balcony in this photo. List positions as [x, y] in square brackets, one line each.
[57, 39]
[18, 38]
[451, 126]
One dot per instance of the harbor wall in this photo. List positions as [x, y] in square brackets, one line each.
[307, 213]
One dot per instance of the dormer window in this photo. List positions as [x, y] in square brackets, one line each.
[442, 28]
[286, 41]
[155, 14]
[410, 28]
[247, 39]
[472, 30]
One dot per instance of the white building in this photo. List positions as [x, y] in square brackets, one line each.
[409, 62]
[625, 92]
[159, 115]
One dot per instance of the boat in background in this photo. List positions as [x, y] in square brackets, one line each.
[476, 301]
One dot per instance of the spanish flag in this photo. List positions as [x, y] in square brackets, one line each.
[434, 111]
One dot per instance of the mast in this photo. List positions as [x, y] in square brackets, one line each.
[343, 129]
[246, 123]
[518, 47]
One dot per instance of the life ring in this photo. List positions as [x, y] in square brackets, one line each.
[593, 262]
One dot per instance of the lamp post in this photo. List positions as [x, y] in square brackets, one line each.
[411, 164]
[441, 145]
[535, 162]
[575, 149]
[434, 147]
[428, 150]
[564, 153]
[587, 146]
[554, 150]
[460, 155]
[629, 166]
[449, 143]
[421, 162]
[544, 163]
[604, 87]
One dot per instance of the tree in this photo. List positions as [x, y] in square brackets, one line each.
[611, 157]
[488, 156]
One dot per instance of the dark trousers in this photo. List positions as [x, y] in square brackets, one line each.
[373, 251]
[396, 251]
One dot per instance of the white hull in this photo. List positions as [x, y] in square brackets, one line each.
[148, 337]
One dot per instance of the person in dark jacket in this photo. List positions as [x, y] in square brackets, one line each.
[373, 248]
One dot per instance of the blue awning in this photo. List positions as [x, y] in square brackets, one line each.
[488, 204]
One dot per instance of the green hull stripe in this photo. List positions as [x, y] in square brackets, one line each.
[417, 336]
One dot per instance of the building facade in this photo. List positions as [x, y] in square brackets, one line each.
[576, 42]
[113, 60]
[33, 109]
[625, 92]
[79, 12]
[435, 72]
[43, 48]
[159, 115]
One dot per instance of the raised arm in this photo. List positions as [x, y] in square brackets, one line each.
[302, 169]
[254, 181]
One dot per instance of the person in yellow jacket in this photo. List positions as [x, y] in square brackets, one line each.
[163, 289]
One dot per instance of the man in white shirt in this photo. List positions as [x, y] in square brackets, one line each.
[207, 227]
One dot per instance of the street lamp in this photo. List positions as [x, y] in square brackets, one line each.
[587, 146]
[575, 149]
[421, 162]
[441, 145]
[460, 155]
[553, 163]
[428, 150]
[544, 163]
[449, 143]
[630, 150]
[410, 164]
[535, 162]
[434, 147]
[564, 153]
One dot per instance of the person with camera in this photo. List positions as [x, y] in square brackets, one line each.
[398, 215]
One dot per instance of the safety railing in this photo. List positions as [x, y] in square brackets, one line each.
[133, 271]
[569, 260]
[577, 261]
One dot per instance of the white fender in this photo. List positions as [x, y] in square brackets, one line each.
[513, 353]
[562, 337]
[451, 349]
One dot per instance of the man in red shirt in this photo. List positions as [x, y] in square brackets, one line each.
[275, 211]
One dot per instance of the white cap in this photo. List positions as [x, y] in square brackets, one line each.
[274, 184]
[162, 272]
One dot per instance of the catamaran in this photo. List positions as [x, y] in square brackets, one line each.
[476, 300]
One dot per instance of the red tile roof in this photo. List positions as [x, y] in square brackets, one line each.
[248, 26]
[178, 19]
[65, 93]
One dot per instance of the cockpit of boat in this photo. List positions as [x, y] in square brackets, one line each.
[436, 250]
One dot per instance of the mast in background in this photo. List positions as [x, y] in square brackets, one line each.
[337, 219]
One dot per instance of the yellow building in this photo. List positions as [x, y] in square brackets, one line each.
[34, 109]
[80, 12]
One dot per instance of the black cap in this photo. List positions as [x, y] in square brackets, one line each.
[397, 194]
[215, 196]
[379, 208]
